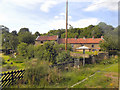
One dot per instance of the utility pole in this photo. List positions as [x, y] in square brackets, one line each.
[66, 25]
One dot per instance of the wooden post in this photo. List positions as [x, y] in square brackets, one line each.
[66, 25]
[83, 57]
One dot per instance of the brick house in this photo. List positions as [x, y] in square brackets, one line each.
[92, 43]
[42, 39]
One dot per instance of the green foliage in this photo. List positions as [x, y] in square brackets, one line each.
[14, 33]
[109, 61]
[42, 75]
[3, 61]
[34, 75]
[105, 28]
[9, 40]
[46, 52]
[4, 29]
[110, 41]
[13, 42]
[113, 68]
[8, 66]
[30, 51]
[63, 57]
[5, 40]
[22, 49]
[39, 51]
[60, 47]
[23, 30]
[97, 81]
[26, 37]
[92, 30]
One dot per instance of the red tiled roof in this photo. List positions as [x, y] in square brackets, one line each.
[80, 40]
[43, 38]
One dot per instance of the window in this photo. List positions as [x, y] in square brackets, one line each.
[92, 45]
[82, 44]
[41, 41]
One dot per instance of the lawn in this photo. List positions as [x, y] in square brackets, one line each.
[107, 78]
[9, 63]
[113, 68]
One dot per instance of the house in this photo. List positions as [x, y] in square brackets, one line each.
[42, 39]
[92, 43]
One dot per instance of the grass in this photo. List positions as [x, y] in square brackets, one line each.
[98, 81]
[74, 75]
[11, 63]
[113, 68]
[107, 78]
[5, 57]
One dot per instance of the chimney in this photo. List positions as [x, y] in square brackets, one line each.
[93, 37]
[101, 37]
[83, 37]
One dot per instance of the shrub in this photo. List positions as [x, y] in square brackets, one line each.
[60, 47]
[33, 75]
[46, 52]
[109, 61]
[63, 57]
[3, 61]
[41, 74]
[22, 49]
[30, 51]
[8, 66]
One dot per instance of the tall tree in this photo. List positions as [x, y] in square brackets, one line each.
[4, 29]
[110, 41]
[23, 30]
[14, 33]
[13, 42]
[27, 37]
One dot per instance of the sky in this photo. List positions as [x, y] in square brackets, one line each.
[46, 15]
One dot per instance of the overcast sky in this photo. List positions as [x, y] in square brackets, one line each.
[45, 15]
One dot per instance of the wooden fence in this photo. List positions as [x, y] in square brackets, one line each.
[10, 77]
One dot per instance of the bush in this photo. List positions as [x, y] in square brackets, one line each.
[22, 49]
[63, 57]
[60, 47]
[42, 75]
[46, 52]
[113, 52]
[3, 61]
[8, 66]
[109, 61]
[30, 51]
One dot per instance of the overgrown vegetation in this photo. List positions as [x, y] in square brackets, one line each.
[38, 74]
